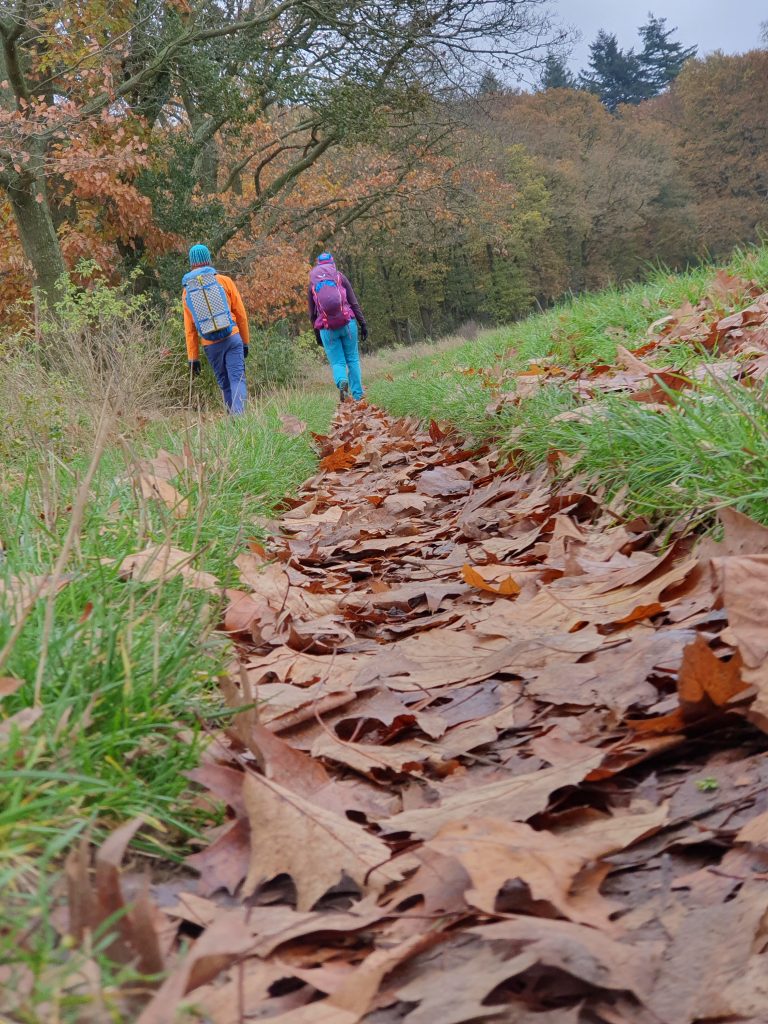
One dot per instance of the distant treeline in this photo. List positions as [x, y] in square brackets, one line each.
[567, 196]
[378, 130]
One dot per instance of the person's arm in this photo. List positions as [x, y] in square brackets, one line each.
[352, 300]
[190, 332]
[236, 306]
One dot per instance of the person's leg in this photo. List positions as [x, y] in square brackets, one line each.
[352, 359]
[215, 355]
[334, 349]
[234, 360]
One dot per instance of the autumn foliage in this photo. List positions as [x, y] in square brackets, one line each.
[497, 746]
[442, 209]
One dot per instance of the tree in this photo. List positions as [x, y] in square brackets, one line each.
[490, 84]
[327, 72]
[616, 75]
[661, 59]
[714, 115]
[610, 183]
[556, 74]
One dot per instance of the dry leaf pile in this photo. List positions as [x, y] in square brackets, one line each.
[500, 758]
[735, 345]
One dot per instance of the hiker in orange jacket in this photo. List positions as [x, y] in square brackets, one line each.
[214, 312]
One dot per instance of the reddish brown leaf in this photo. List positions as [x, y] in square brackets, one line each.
[341, 458]
[702, 674]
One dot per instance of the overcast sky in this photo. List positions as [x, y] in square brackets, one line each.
[732, 26]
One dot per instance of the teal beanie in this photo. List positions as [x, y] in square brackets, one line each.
[199, 256]
[324, 257]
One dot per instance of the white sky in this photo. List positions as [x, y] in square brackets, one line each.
[732, 26]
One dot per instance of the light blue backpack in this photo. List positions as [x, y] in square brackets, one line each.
[207, 302]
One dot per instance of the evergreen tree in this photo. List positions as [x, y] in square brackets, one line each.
[490, 84]
[555, 74]
[615, 75]
[661, 59]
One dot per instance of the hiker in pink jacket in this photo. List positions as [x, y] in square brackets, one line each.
[337, 318]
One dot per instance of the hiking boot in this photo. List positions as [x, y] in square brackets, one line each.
[344, 392]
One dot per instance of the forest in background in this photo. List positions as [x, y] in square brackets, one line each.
[129, 130]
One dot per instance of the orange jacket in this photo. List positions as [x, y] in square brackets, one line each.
[238, 312]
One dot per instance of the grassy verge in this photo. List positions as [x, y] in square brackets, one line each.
[128, 667]
[706, 452]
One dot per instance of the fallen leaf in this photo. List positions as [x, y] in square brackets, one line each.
[506, 587]
[586, 953]
[453, 990]
[9, 685]
[702, 674]
[158, 488]
[443, 482]
[291, 835]
[162, 562]
[514, 799]
[217, 947]
[273, 926]
[755, 831]
[341, 458]
[19, 594]
[494, 853]
[19, 723]
[352, 1000]
[719, 940]
[292, 425]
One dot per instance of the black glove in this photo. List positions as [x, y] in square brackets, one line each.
[318, 339]
[245, 351]
[364, 331]
[195, 367]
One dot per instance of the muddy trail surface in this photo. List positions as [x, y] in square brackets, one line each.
[500, 758]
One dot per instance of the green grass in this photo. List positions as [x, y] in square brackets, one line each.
[131, 667]
[707, 451]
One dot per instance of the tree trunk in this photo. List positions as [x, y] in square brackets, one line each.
[34, 222]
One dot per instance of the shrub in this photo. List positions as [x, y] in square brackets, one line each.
[104, 350]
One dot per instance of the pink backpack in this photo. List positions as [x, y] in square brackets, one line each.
[333, 310]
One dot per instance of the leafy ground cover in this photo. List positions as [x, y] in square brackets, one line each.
[500, 756]
[496, 713]
[706, 454]
[101, 703]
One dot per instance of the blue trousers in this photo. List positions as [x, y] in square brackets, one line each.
[341, 348]
[228, 363]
